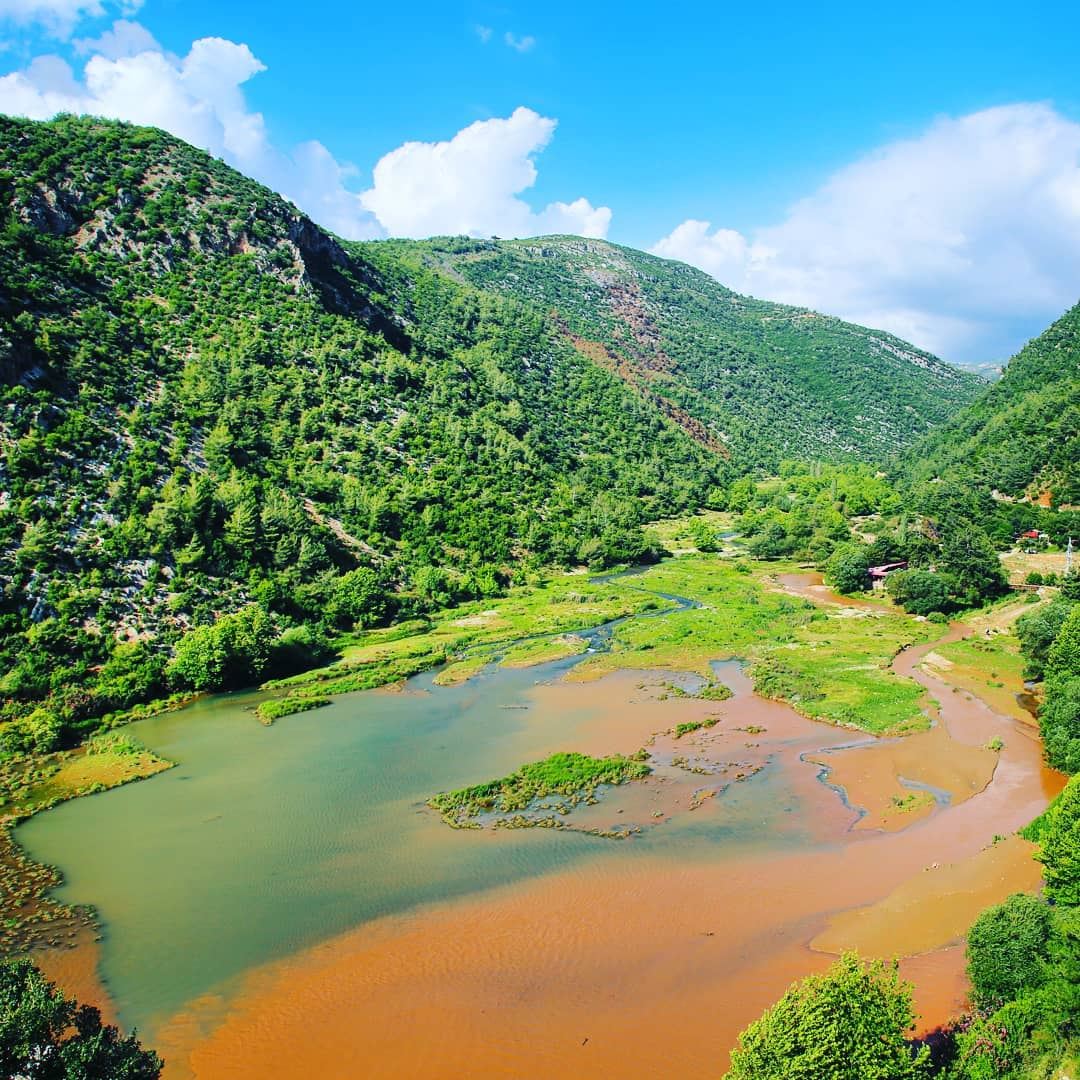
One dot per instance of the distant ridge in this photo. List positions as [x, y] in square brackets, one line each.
[1020, 439]
[755, 380]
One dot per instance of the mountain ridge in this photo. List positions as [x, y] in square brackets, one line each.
[730, 368]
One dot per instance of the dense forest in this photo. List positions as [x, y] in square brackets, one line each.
[755, 380]
[220, 418]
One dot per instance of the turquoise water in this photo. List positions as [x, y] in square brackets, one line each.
[265, 840]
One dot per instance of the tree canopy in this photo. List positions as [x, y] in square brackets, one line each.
[47, 1036]
[850, 1023]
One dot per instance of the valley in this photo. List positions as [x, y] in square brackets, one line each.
[362, 894]
[535, 657]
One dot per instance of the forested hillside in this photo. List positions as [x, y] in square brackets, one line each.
[1021, 438]
[756, 381]
[218, 415]
[209, 405]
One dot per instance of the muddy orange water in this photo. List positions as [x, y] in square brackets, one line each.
[538, 952]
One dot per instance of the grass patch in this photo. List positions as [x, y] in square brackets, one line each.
[708, 692]
[680, 534]
[470, 636]
[912, 801]
[575, 776]
[347, 678]
[827, 663]
[694, 725]
[107, 760]
[462, 671]
[544, 651]
[276, 708]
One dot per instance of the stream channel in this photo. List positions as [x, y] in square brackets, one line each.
[283, 904]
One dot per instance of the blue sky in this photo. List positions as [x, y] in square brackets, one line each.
[734, 115]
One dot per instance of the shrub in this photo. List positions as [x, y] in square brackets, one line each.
[1006, 950]
[850, 1023]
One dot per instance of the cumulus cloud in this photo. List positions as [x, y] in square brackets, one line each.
[198, 97]
[58, 18]
[125, 38]
[964, 240]
[484, 33]
[470, 184]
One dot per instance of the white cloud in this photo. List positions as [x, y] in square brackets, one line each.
[58, 18]
[470, 185]
[965, 239]
[520, 44]
[484, 33]
[125, 38]
[198, 97]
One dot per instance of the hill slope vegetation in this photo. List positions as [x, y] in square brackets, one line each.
[754, 380]
[210, 406]
[1021, 437]
[220, 422]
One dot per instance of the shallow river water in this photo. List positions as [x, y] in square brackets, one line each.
[282, 904]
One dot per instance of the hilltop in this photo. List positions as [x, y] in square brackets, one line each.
[753, 380]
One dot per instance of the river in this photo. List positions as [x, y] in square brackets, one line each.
[282, 904]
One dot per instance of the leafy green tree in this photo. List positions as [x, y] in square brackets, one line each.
[847, 568]
[1060, 852]
[359, 598]
[1007, 950]
[1063, 657]
[1037, 630]
[230, 653]
[968, 555]
[1059, 718]
[850, 1023]
[920, 591]
[298, 649]
[705, 537]
[47, 1036]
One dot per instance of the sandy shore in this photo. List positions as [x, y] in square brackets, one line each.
[651, 966]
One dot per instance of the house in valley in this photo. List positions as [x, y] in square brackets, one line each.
[879, 574]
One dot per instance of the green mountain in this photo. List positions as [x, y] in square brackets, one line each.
[208, 403]
[755, 381]
[1021, 437]
[211, 406]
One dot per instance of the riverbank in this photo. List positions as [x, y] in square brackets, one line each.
[60, 938]
[830, 661]
[732, 857]
[609, 968]
[30, 919]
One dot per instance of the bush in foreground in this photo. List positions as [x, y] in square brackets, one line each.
[851, 1023]
[1006, 950]
[47, 1036]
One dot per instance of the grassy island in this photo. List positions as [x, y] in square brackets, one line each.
[573, 776]
[275, 708]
